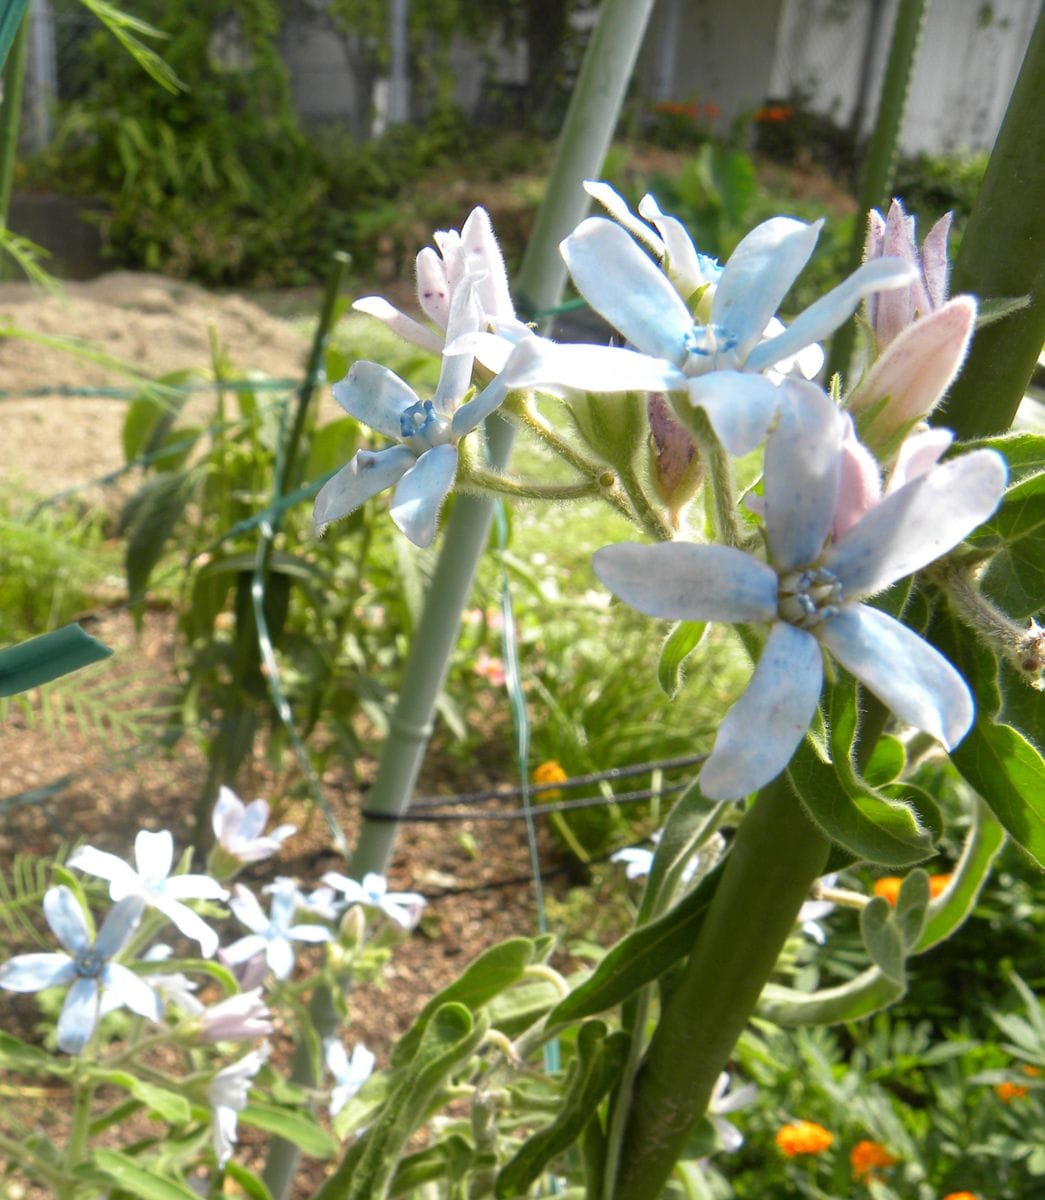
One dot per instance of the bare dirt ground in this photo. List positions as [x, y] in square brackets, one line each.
[52, 440]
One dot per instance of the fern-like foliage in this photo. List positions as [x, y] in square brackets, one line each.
[22, 888]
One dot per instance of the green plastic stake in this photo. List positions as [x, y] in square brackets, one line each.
[46, 657]
[1003, 254]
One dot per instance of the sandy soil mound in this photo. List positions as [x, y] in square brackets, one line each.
[153, 325]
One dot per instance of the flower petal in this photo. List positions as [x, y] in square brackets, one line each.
[105, 866]
[368, 473]
[405, 327]
[244, 948]
[860, 485]
[153, 856]
[683, 582]
[757, 277]
[419, 495]
[917, 523]
[617, 207]
[79, 1016]
[247, 910]
[756, 740]
[802, 471]
[64, 914]
[469, 415]
[279, 954]
[908, 675]
[132, 991]
[537, 362]
[309, 933]
[687, 269]
[740, 407]
[455, 375]
[34, 972]
[120, 922]
[376, 396]
[623, 285]
[433, 288]
[827, 313]
[911, 377]
[483, 258]
[194, 887]
[935, 267]
[226, 817]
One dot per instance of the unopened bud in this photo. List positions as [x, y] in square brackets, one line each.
[613, 425]
[675, 465]
[352, 932]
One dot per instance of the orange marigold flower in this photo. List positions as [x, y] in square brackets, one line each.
[1007, 1092]
[867, 1155]
[712, 110]
[1032, 1071]
[774, 112]
[888, 887]
[938, 884]
[550, 772]
[961, 1196]
[803, 1137]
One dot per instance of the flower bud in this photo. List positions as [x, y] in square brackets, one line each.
[613, 425]
[674, 461]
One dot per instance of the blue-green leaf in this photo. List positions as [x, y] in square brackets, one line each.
[293, 1126]
[680, 643]
[142, 1182]
[46, 657]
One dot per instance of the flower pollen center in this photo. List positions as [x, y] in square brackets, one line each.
[422, 427]
[709, 348]
[809, 596]
[89, 963]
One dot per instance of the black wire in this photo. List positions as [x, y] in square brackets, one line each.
[574, 781]
[521, 814]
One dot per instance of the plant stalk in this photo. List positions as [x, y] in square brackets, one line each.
[1003, 255]
[776, 856]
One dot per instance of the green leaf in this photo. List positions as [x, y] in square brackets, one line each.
[46, 657]
[247, 1180]
[19, 1056]
[1015, 575]
[994, 309]
[142, 1182]
[293, 1126]
[1009, 773]
[450, 1038]
[865, 823]
[447, 1159]
[912, 905]
[516, 1010]
[887, 761]
[691, 822]
[149, 519]
[949, 911]
[491, 973]
[1023, 451]
[169, 1106]
[151, 414]
[10, 19]
[680, 643]
[639, 958]
[866, 993]
[331, 446]
[600, 1060]
[882, 940]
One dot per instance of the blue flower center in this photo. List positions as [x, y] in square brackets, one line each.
[709, 348]
[809, 596]
[421, 427]
[89, 963]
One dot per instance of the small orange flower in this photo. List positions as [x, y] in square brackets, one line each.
[938, 884]
[1031, 1071]
[712, 110]
[1007, 1092]
[774, 112]
[865, 1156]
[961, 1196]
[888, 887]
[803, 1137]
[550, 772]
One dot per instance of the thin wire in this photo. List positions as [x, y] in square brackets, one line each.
[529, 812]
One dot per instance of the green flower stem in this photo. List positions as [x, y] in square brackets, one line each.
[651, 520]
[478, 481]
[1003, 254]
[83, 1093]
[776, 856]
[720, 484]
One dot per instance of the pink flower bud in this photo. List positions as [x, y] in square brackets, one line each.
[237, 1019]
[675, 465]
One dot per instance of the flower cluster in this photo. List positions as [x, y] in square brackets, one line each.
[854, 498]
[119, 968]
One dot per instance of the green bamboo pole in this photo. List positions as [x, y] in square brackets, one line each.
[876, 178]
[1003, 254]
[585, 139]
[776, 856]
[10, 117]
[587, 131]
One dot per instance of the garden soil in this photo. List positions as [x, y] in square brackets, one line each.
[74, 784]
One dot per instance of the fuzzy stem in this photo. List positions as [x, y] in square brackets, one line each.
[719, 468]
[776, 856]
[653, 523]
[479, 481]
